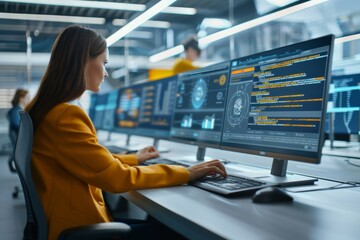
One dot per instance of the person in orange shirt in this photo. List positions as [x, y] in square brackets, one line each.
[69, 166]
[192, 52]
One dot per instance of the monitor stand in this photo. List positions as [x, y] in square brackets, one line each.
[191, 159]
[331, 130]
[200, 154]
[160, 149]
[279, 176]
[120, 148]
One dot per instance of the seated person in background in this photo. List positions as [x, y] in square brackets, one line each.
[69, 166]
[192, 52]
[18, 103]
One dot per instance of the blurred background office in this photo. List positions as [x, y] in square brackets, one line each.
[145, 47]
[28, 30]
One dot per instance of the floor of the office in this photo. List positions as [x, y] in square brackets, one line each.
[13, 210]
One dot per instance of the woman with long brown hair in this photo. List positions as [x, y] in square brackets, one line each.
[70, 167]
[18, 103]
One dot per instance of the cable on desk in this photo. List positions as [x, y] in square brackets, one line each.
[338, 186]
[353, 164]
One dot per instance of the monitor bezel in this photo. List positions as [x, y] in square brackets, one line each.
[327, 40]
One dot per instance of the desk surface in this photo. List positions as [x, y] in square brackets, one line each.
[198, 214]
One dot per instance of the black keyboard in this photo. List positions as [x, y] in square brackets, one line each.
[231, 185]
[116, 149]
[164, 161]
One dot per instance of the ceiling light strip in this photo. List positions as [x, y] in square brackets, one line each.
[180, 10]
[347, 38]
[85, 4]
[52, 18]
[149, 24]
[105, 5]
[167, 53]
[158, 7]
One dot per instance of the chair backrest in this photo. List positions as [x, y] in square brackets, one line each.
[36, 226]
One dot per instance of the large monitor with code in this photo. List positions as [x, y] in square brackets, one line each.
[277, 101]
[199, 106]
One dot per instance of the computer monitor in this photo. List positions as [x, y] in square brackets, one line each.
[344, 107]
[108, 122]
[128, 109]
[156, 108]
[276, 104]
[92, 106]
[101, 100]
[199, 106]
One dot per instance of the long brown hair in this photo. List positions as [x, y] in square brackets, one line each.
[64, 78]
[18, 94]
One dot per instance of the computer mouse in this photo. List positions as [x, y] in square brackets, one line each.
[271, 195]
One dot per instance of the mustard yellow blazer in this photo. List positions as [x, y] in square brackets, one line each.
[182, 65]
[70, 168]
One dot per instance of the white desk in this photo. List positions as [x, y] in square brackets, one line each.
[197, 214]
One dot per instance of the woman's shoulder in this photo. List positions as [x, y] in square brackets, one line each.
[64, 109]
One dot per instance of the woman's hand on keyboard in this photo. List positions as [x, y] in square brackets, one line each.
[146, 154]
[212, 167]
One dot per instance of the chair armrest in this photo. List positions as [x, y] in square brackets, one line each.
[96, 231]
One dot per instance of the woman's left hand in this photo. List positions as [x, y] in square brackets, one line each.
[146, 154]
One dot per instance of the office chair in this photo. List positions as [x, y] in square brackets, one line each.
[12, 136]
[36, 226]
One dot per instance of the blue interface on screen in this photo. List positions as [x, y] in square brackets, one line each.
[200, 104]
[344, 102]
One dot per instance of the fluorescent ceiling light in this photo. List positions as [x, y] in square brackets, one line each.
[244, 26]
[281, 3]
[347, 38]
[158, 7]
[140, 34]
[85, 4]
[167, 53]
[219, 23]
[105, 5]
[180, 10]
[150, 23]
[52, 18]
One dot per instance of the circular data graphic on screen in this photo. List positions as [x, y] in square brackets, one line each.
[198, 95]
[219, 96]
[238, 108]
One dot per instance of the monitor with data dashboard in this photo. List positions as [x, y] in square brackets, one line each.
[128, 109]
[92, 106]
[276, 103]
[156, 108]
[199, 106]
[344, 106]
[98, 109]
[108, 121]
